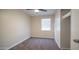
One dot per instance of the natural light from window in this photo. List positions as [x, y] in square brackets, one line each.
[46, 24]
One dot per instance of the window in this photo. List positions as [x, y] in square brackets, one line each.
[46, 24]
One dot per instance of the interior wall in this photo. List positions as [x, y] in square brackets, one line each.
[57, 27]
[62, 31]
[65, 33]
[74, 29]
[36, 27]
[14, 28]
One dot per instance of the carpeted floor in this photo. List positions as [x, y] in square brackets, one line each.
[37, 44]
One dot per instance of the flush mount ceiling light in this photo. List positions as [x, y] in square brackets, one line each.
[36, 10]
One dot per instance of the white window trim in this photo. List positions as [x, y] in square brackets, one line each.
[48, 29]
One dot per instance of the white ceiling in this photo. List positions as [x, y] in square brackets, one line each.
[41, 13]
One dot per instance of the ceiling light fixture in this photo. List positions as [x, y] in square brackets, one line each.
[36, 10]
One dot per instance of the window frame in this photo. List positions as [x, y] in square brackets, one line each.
[49, 29]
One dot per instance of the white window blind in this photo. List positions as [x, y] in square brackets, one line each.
[46, 24]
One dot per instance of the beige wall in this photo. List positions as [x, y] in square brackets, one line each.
[65, 33]
[74, 29]
[36, 27]
[15, 27]
[57, 26]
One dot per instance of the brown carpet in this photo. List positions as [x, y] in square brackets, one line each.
[37, 44]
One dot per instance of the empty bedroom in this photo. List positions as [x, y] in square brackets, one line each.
[35, 29]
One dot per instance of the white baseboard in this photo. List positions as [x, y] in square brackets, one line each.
[43, 37]
[57, 44]
[17, 43]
